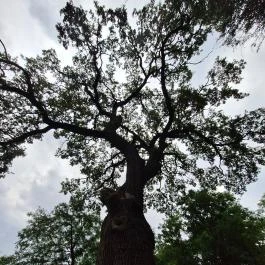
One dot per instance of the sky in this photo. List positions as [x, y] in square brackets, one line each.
[27, 27]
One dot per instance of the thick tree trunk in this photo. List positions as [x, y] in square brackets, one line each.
[126, 237]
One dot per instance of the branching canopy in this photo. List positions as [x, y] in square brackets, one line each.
[128, 96]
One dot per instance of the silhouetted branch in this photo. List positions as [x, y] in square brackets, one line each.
[26, 135]
[4, 48]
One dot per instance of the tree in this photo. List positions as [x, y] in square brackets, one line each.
[126, 103]
[217, 230]
[67, 235]
[171, 248]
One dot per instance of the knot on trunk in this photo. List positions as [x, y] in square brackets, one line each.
[119, 223]
[114, 199]
[122, 207]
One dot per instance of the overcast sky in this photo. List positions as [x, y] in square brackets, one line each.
[27, 27]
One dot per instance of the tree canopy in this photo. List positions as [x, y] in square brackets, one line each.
[127, 99]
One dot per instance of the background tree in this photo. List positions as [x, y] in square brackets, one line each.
[216, 229]
[171, 248]
[67, 235]
[127, 103]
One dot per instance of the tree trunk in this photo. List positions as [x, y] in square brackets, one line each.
[126, 237]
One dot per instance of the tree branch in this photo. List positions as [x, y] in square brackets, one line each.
[136, 92]
[4, 48]
[113, 166]
[95, 101]
[156, 155]
[25, 72]
[95, 98]
[207, 140]
[111, 136]
[136, 137]
[28, 95]
[24, 136]
[154, 163]
[165, 93]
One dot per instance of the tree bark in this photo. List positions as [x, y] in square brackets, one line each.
[126, 237]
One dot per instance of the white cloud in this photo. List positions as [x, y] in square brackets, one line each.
[35, 182]
[46, 13]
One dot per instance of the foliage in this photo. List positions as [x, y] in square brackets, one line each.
[261, 205]
[6, 260]
[67, 235]
[237, 20]
[127, 101]
[216, 229]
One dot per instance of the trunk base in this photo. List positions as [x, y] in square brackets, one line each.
[126, 237]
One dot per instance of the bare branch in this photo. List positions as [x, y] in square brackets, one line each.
[4, 48]
[201, 60]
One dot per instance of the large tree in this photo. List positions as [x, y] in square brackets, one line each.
[126, 103]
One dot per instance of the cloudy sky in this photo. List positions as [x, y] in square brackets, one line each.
[27, 27]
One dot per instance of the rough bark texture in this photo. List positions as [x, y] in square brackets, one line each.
[126, 237]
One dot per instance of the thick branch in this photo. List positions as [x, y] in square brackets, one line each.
[111, 136]
[24, 136]
[187, 132]
[166, 95]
